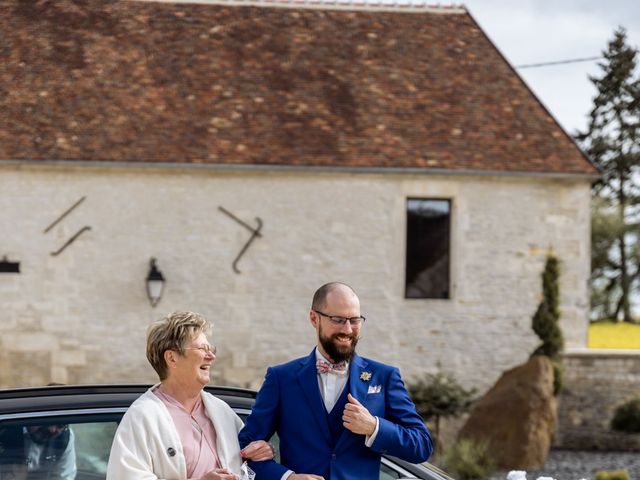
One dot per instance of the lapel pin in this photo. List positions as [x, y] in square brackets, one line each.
[171, 451]
[366, 376]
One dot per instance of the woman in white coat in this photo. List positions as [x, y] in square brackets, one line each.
[177, 431]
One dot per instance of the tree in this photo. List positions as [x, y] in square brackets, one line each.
[545, 320]
[606, 227]
[612, 140]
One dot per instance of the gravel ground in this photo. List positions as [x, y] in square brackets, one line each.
[577, 464]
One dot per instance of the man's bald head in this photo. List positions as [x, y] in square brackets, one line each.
[319, 301]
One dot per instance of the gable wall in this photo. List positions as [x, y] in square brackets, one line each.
[81, 317]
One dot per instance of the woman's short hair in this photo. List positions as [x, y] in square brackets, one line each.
[172, 333]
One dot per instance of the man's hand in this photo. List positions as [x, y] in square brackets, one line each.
[257, 451]
[219, 474]
[304, 476]
[357, 418]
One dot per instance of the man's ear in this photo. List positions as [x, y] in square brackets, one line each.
[313, 318]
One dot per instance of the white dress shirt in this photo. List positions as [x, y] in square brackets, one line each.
[331, 384]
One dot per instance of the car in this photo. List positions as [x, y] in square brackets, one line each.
[92, 413]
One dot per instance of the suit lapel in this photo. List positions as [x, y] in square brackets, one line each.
[358, 389]
[308, 379]
[357, 386]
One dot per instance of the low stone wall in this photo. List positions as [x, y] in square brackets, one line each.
[595, 382]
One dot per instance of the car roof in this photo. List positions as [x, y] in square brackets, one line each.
[72, 397]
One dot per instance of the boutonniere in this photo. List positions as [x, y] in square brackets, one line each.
[366, 376]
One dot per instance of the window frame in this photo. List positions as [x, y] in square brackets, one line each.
[450, 245]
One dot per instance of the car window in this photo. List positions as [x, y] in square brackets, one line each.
[57, 447]
[387, 473]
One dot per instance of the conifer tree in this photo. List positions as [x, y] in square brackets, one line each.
[545, 320]
[612, 140]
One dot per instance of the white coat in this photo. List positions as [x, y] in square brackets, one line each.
[146, 445]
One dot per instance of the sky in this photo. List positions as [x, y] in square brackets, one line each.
[534, 31]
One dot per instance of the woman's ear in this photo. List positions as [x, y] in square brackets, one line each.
[170, 358]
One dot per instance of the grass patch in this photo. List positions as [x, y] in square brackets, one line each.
[614, 335]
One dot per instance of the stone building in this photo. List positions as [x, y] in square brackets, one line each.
[392, 148]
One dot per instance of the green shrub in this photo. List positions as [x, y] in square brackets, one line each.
[469, 460]
[440, 395]
[627, 417]
[612, 475]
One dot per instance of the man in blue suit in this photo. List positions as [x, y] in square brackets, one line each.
[335, 412]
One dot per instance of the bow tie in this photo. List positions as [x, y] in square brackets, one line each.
[339, 368]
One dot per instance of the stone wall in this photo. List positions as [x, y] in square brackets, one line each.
[81, 316]
[595, 382]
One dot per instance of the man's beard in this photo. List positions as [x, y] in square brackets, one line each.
[338, 353]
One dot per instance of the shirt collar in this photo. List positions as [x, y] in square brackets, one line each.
[319, 356]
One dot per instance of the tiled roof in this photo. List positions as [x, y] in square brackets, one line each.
[398, 86]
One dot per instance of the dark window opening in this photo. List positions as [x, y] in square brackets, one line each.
[9, 267]
[427, 263]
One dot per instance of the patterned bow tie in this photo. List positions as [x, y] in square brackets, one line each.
[339, 368]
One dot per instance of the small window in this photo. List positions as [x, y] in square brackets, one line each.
[427, 267]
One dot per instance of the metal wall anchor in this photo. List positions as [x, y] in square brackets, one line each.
[71, 240]
[255, 232]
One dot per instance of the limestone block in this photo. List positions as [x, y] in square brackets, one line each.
[69, 358]
[238, 376]
[59, 375]
[30, 341]
[30, 368]
[239, 359]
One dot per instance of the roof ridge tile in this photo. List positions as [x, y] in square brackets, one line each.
[373, 5]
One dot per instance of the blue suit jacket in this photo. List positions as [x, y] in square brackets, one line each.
[289, 403]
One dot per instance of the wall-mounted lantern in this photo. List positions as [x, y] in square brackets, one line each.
[155, 283]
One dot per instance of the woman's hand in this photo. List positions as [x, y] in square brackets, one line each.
[219, 474]
[258, 451]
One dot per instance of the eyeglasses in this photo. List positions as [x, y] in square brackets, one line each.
[205, 349]
[353, 321]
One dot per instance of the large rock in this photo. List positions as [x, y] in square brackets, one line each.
[516, 418]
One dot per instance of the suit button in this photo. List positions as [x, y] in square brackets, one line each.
[333, 456]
